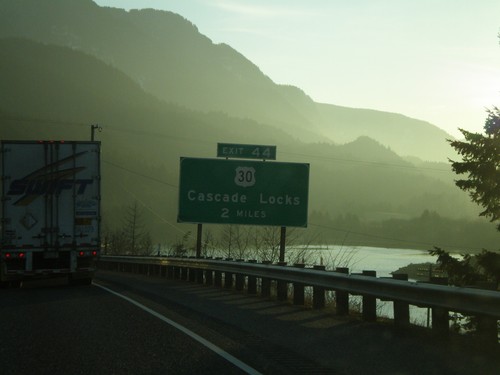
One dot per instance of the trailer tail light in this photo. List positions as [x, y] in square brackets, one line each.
[87, 253]
[14, 255]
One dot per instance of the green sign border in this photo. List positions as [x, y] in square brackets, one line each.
[245, 192]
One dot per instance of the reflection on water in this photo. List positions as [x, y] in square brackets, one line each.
[382, 260]
[359, 258]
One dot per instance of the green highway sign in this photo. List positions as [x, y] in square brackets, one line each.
[242, 151]
[243, 192]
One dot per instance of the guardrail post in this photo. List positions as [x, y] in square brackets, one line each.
[239, 279]
[282, 286]
[298, 288]
[200, 275]
[341, 297]
[218, 276]
[252, 281]
[401, 309]
[487, 328]
[209, 275]
[440, 316]
[177, 272]
[318, 292]
[265, 288]
[192, 274]
[184, 273]
[228, 277]
[369, 302]
[487, 332]
[170, 272]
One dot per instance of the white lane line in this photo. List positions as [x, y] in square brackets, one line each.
[228, 357]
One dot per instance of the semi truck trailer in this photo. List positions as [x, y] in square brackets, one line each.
[50, 223]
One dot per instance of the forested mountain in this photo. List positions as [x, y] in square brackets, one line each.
[167, 56]
[55, 89]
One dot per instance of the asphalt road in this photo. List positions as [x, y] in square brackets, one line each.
[58, 329]
[50, 328]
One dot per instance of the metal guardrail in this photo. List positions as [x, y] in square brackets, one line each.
[465, 300]
[441, 299]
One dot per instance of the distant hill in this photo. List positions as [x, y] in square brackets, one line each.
[58, 85]
[52, 92]
[404, 135]
[167, 56]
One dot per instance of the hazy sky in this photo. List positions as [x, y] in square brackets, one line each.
[435, 60]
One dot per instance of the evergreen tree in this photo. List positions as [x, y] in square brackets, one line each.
[481, 161]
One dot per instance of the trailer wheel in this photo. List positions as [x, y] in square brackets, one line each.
[80, 282]
[87, 281]
[16, 283]
[10, 284]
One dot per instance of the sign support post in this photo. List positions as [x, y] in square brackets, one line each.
[198, 240]
[282, 244]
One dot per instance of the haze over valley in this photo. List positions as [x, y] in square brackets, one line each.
[162, 90]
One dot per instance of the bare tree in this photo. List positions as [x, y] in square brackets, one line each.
[180, 247]
[210, 245]
[235, 241]
[270, 239]
[138, 240]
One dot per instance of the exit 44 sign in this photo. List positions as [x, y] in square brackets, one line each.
[243, 151]
[243, 192]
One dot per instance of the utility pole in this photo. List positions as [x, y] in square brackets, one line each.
[93, 128]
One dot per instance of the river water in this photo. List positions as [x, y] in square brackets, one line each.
[359, 258]
[382, 260]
